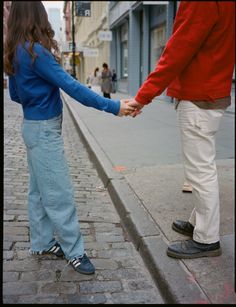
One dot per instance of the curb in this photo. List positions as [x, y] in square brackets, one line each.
[175, 282]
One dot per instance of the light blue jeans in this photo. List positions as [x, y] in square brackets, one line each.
[51, 204]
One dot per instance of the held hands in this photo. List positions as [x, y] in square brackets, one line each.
[130, 107]
[125, 108]
[138, 106]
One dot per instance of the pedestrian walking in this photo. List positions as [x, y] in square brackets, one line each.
[106, 86]
[35, 77]
[95, 80]
[197, 67]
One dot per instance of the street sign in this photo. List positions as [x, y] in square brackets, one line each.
[105, 35]
[83, 8]
[90, 52]
[71, 46]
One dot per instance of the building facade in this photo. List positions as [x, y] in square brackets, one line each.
[67, 20]
[54, 17]
[93, 52]
[139, 33]
[66, 50]
[140, 30]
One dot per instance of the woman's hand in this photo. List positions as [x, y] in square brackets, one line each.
[125, 108]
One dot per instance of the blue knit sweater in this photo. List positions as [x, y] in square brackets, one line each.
[36, 86]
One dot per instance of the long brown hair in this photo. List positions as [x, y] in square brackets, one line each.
[95, 71]
[27, 21]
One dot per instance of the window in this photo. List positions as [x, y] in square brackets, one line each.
[158, 41]
[124, 51]
[124, 59]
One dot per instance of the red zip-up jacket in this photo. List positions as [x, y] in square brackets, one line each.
[198, 60]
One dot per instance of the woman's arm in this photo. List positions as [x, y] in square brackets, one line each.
[12, 90]
[47, 68]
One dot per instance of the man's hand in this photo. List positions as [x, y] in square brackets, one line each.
[125, 108]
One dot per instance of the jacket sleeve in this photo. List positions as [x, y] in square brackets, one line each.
[12, 90]
[194, 21]
[47, 68]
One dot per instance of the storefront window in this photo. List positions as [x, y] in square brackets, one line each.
[158, 41]
[124, 51]
[124, 59]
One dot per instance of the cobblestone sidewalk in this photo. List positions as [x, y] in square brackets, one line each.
[121, 276]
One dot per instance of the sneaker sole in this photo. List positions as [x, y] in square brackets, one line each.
[181, 231]
[81, 271]
[214, 253]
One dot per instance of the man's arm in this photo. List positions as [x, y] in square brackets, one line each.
[193, 23]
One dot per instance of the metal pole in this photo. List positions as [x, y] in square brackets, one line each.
[175, 8]
[73, 42]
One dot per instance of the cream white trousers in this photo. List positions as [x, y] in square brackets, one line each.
[197, 129]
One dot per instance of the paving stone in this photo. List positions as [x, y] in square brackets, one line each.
[16, 231]
[122, 274]
[38, 275]
[21, 265]
[19, 288]
[136, 297]
[8, 217]
[16, 224]
[115, 253]
[10, 276]
[15, 238]
[22, 245]
[109, 237]
[8, 255]
[7, 245]
[95, 298]
[58, 288]
[100, 286]
[108, 264]
[41, 299]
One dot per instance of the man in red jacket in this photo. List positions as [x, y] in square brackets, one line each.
[197, 67]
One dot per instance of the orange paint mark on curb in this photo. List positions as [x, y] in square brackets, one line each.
[119, 168]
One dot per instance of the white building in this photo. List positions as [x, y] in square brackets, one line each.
[54, 16]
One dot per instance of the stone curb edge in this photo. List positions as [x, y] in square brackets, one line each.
[176, 284]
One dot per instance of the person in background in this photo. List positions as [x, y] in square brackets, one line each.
[197, 66]
[95, 80]
[114, 81]
[35, 80]
[106, 86]
[88, 81]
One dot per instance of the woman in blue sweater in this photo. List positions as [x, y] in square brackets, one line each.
[35, 80]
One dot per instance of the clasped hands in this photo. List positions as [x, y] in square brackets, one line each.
[130, 107]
